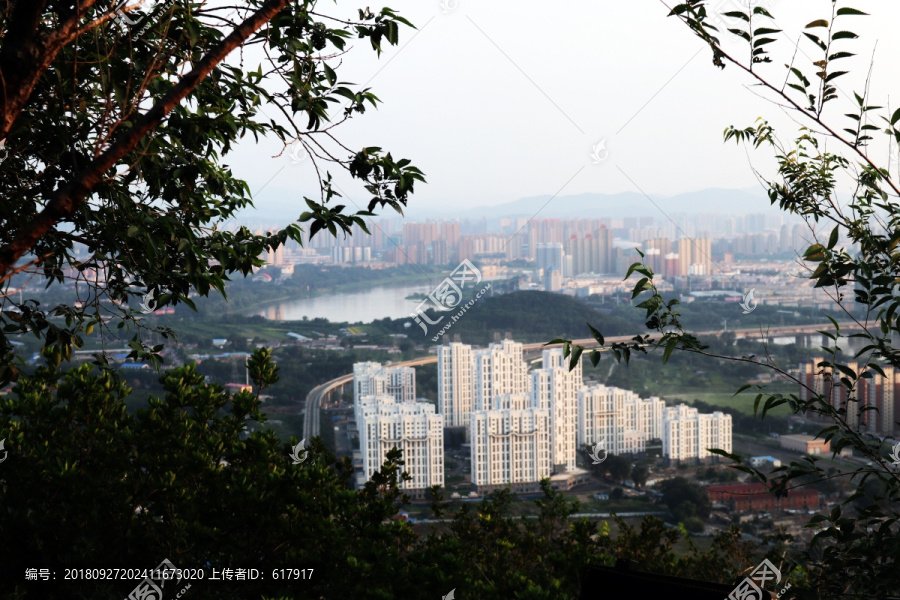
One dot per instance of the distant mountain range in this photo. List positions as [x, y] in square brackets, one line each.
[281, 205]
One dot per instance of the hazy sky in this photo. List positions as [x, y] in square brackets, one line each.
[500, 100]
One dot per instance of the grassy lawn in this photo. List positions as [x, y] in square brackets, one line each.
[271, 330]
[742, 402]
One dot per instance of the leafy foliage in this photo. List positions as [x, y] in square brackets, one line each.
[89, 483]
[852, 554]
[118, 122]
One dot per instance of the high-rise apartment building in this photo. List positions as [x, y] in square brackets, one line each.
[412, 427]
[456, 383]
[374, 379]
[620, 419]
[500, 369]
[872, 404]
[510, 443]
[556, 388]
[592, 253]
[688, 434]
[550, 255]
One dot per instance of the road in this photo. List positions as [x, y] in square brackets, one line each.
[314, 398]
[623, 515]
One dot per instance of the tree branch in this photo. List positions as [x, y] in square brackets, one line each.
[69, 198]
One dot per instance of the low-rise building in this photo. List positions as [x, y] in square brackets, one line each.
[755, 497]
[806, 444]
[761, 461]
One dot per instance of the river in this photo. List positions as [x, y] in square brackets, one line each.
[363, 306]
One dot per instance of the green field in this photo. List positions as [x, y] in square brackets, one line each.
[743, 402]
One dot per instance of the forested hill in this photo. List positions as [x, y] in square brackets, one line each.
[532, 316]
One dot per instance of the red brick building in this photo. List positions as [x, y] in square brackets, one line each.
[753, 497]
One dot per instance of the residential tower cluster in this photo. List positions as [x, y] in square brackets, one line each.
[521, 424]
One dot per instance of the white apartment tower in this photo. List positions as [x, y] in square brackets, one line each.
[510, 443]
[620, 418]
[414, 428]
[555, 388]
[500, 369]
[688, 434]
[374, 379]
[456, 383]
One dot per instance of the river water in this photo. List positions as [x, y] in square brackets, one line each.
[353, 307]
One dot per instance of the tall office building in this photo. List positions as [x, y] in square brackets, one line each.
[456, 383]
[409, 426]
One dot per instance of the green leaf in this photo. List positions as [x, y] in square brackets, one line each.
[670, 347]
[576, 356]
[742, 388]
[735, 14]
[817, 23]
[597, 335]
[833, 238]
[850, 11]
[638, 288]
[720, 452]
